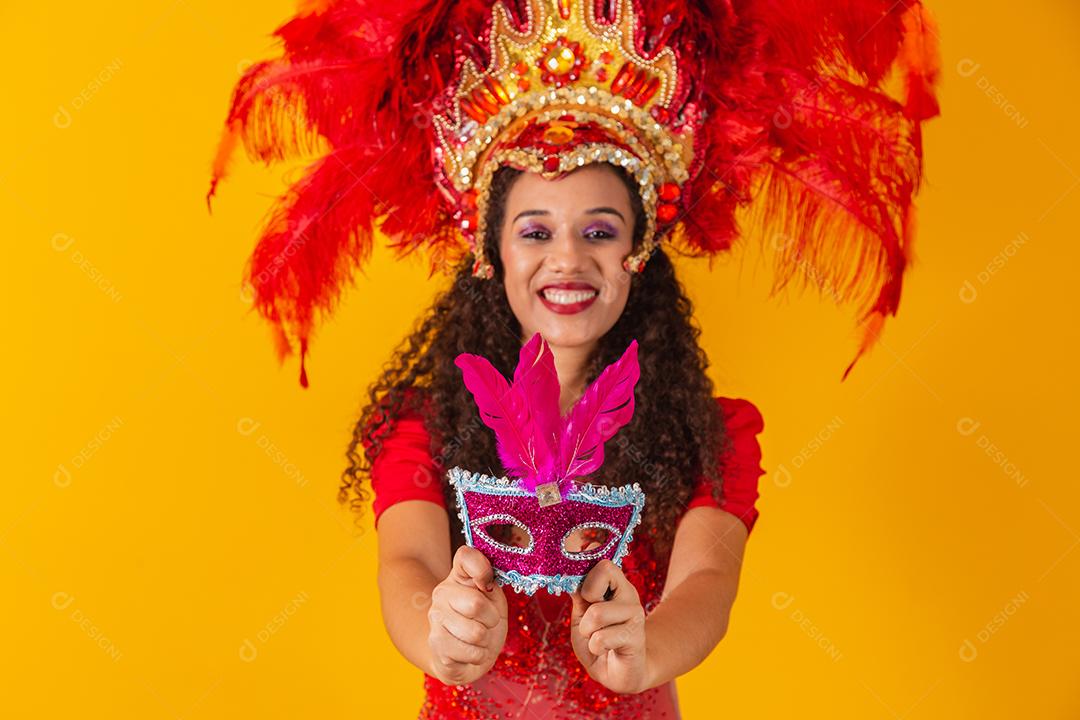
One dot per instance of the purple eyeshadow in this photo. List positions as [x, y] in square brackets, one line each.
[532, 228]
[610, 230]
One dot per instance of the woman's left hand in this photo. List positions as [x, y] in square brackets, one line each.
[608, 636]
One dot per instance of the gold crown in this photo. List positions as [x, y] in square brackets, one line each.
[567, 90]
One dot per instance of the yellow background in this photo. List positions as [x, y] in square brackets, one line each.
[172, 547]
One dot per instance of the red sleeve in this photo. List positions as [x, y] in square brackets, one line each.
[742, 463]
[404, 468]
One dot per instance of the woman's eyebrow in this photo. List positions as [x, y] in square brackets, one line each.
[608, 210]
[593, 211]
[525, 213]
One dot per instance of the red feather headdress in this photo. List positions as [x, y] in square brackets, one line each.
[778, 106]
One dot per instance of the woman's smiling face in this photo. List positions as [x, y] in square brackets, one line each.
[562, 245]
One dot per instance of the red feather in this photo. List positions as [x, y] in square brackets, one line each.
[350, 89]
[803, 135]
[798, 130]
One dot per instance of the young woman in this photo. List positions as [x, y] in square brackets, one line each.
[558, 249]
[549, 152]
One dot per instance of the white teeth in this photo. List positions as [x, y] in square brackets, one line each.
[568, 297]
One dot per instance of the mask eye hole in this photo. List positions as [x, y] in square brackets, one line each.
[508, 534]
[589, 541]
[504, 532]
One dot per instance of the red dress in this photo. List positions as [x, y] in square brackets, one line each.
[537, 673]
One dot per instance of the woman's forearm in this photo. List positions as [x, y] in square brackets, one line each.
[685, 627]
[405, 586]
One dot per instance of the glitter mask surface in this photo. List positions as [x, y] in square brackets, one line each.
[545, 563]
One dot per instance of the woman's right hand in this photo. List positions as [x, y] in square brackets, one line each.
[467, 622]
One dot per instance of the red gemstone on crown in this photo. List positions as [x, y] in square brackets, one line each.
[625, 75]
[666, 212]
[669, 192]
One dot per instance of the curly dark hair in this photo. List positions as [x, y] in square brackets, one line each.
[676, 435]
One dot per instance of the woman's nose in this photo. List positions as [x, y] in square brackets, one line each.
[566, 253]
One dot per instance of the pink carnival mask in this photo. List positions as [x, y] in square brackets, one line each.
[544, 453]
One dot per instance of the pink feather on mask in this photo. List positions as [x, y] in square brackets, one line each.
[606, 406]
[535, 443]
[504, 410]
[537, 381]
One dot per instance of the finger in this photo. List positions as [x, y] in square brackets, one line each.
[466, 629]
[452, 667]
[576, 599]
[614, 637]
[603, 576]
[472, 568]
[450, 649]
[472, 604]
[497, 598]
[578, 607]
[601, 615]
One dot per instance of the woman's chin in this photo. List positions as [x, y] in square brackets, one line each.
[570, 331]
